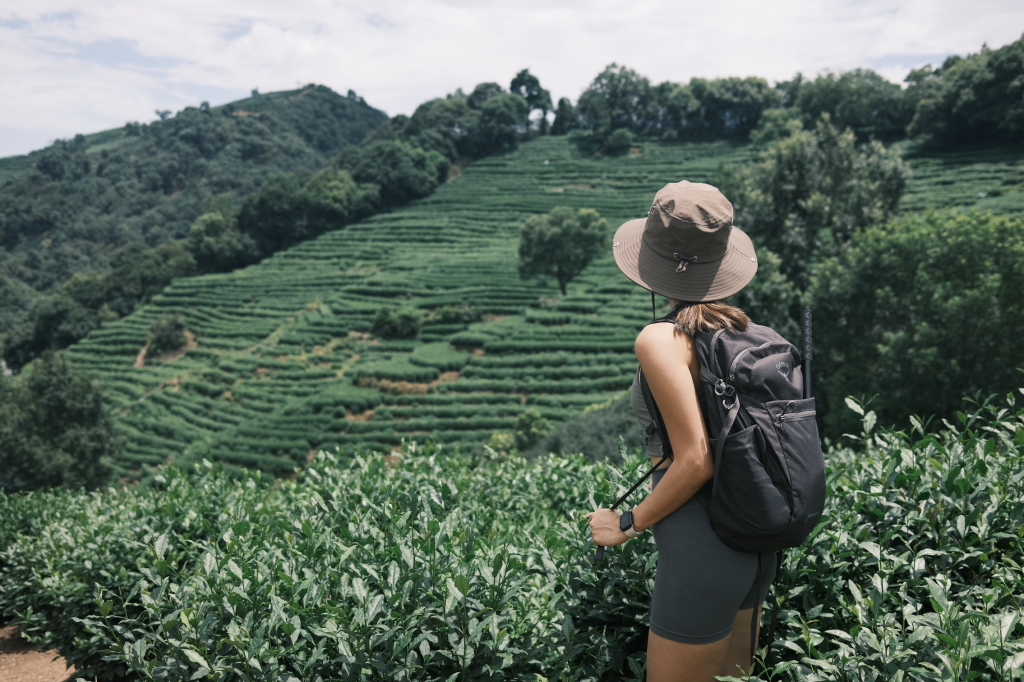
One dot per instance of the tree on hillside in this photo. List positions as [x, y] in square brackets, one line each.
[483, 92]
[811, 191]
[976, 99]
[722, 108]
[398, 171]
[54, 428]
[166, 335]
[443, 125]
[862, 100]
[219, 246]
[919, 313]
[503, 121]
[527, 86]
[618, 98]
[561, 244]
[566, 118]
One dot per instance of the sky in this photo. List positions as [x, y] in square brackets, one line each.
[69, 66]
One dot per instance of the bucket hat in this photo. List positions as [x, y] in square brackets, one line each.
[686, 248]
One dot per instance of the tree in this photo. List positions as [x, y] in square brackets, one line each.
[723, 108]
[403, 323]
[561, 244]
[566, 118]
[861, 100]
[166, 335]
[443, 125]
[398, 171]
[219, 246]
[483, 92]
[811, 191]
[503, 121]
[973, 100]
[54, 428]
[618, 98]
[921, 312]
[527, 86]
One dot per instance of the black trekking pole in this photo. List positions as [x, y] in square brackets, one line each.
[805, 348]
[600, 550]
[805, 351]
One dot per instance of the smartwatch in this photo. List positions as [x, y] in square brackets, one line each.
[626, 525]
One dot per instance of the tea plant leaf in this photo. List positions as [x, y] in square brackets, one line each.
[852, 404]
[105, 608]
[235, 570]
[160, 547]
[462, 584]
[195, 657]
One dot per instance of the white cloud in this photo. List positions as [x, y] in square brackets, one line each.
[71, 66]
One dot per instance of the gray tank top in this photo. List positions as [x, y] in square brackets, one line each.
[643, 416]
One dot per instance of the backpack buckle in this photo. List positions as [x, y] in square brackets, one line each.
[722, 388]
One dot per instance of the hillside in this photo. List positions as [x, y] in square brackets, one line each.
[280, 345]
[63, 209]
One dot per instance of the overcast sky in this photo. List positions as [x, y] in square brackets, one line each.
[68, 66]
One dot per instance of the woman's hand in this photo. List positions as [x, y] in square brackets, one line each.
[604, 526]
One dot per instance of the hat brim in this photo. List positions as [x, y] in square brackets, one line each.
[700, 282]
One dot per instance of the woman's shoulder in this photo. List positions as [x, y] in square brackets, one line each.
[662, 337]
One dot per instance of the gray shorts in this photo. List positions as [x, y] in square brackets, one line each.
[701, 583]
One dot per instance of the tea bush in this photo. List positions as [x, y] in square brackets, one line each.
[452, 567]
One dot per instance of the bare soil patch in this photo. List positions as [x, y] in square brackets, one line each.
[20, 662]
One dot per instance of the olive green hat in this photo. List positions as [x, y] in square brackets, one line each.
[686, 248]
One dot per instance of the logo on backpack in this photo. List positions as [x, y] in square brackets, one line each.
[784, 369]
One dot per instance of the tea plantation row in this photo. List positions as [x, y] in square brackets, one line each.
[284, 365]
[443, 566]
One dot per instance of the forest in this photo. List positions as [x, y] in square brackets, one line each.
[229, 330]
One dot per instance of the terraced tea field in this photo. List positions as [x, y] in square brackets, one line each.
[283, 364]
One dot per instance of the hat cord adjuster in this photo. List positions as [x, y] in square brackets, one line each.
[684, 261]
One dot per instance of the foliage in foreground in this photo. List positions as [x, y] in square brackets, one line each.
[55, 430]
[448, 567]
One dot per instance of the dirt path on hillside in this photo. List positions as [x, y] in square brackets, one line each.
[19, 662]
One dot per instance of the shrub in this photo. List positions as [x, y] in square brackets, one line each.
[531, 426]
[55, 430]
[403, 323]
[478, 567]
[439, 355]
[166, 335]
[921, 312]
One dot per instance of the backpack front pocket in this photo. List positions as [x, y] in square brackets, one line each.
[746, 501]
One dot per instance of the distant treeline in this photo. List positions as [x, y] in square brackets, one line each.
[99, 224]
[975, 99]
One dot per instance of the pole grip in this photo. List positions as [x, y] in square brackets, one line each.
[806, 347]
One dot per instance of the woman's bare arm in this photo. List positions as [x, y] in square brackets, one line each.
[670, 365]
[671, 368]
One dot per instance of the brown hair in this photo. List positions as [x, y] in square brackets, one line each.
[695, 318]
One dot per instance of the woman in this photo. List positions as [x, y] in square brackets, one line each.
[704, 592]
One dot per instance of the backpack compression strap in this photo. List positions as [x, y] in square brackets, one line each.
[724, 392]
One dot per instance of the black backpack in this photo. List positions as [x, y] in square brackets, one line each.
[768, 490]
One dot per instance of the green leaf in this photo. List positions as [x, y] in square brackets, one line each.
[195, 657]
[233, 567]
[160, 547]
[105, 608]
[462, 583]
[869, 421]
[852, 404]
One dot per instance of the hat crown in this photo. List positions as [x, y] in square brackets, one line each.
[689, 220]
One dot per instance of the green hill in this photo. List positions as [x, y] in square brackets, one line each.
[63, 209]
[280, 346]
